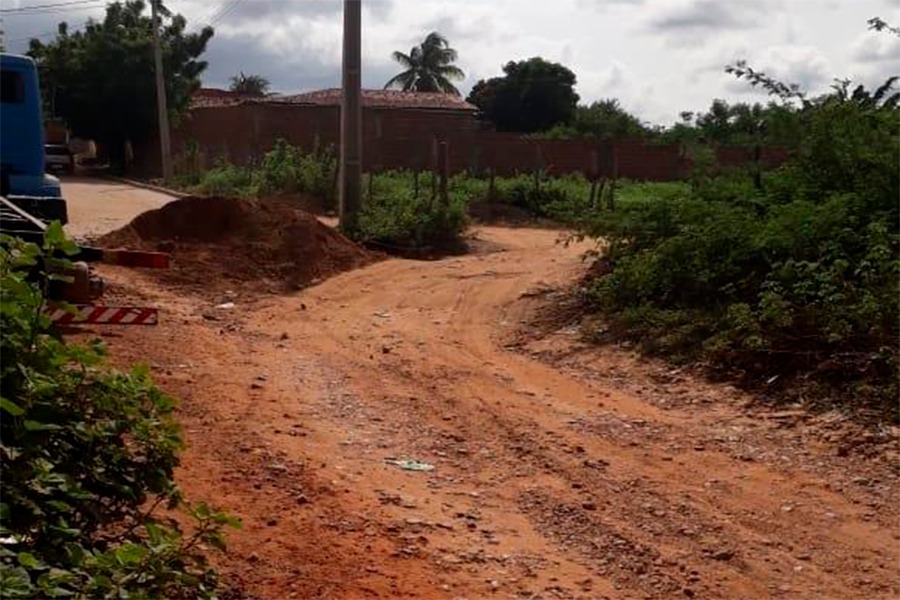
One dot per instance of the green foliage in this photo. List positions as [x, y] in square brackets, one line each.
[285, 169]
[101, 80]
[249, 85]
[428, 67]
[288, 169]
[87, 455]
[738, 124]
[394, 215]
[604, 120]
[533, 95]
[226, 180]
[800, 277]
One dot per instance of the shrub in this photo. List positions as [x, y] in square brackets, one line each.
[394, 216]
[286, 169]
[227, 180]
[87, 455]
[800, 278]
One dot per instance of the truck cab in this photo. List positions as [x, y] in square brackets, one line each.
[22, 161]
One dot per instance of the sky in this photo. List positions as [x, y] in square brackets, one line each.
[657, 57]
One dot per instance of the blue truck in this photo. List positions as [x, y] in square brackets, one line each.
[30, 198]
[23, 180]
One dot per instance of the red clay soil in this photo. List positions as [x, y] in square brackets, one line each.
[561, 470]
[233, 241]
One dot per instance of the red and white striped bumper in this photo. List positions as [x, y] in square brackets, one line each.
[104, 315]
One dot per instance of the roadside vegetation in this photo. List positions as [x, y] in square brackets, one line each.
[89, 507]
[792, 282]
[404, 210]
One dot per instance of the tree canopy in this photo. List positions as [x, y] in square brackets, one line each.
[250, 85]
[532, 96]
[604, 120]
[428, 67]
[101, 79]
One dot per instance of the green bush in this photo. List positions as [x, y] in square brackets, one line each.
[87, 454]
[394, 216]
[284, 169]
[227, 180]
[287, 169]
[799, 278]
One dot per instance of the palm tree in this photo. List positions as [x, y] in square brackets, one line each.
[249, 85]
[428, 67]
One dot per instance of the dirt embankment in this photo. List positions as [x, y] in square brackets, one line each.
[229, 242]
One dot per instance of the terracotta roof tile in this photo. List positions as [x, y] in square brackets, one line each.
[380, 99]
[209, 97]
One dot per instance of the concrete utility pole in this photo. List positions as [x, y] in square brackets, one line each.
[165, 146]
[351, 118]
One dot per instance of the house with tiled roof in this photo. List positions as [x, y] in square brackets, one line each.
[399, 128]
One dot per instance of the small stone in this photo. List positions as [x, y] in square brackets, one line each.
[804, 556]
[385, 349]
[688, 592]
[302, 499]
[256, 385]
[284, 336]
[699, 447]
[272, 522]
[254, 557]
[588, 506]
[723, 554]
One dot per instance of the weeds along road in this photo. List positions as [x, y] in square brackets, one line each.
[560, 471]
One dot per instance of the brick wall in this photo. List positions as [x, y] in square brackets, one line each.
[400, 138]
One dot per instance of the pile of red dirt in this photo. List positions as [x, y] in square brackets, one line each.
[239, 241]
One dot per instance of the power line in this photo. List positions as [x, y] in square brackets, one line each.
[46, 33]
[221, 14]
[44, 8]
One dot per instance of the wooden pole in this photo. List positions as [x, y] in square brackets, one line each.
[165, 144]
[444, 167]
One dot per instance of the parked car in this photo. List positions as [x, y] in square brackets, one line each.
[58, 158]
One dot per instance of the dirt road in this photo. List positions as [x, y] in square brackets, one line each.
[97, 206]
[559, 471]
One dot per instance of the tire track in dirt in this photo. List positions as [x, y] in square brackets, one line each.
[561, 471]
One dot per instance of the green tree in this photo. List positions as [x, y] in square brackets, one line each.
[250, 85]
[533, 95]
[102, 78]
[607, 120]
[428, 67]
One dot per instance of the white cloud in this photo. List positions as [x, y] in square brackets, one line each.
[658, 57]
[875, 47]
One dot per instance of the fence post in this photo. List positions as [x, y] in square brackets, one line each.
[434, 167]
[611, 199]
[491, 189]
[538, 163]
[416, 183]
[444, 167]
